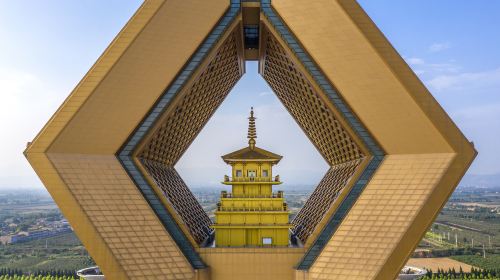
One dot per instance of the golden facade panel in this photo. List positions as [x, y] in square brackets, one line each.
[133, 78]
[347, 47]
[122, 218]
[394, 154]
[93, 78]
[398, 191]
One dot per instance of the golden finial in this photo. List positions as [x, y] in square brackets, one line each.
[252, 132]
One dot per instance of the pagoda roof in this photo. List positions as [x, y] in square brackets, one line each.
[249, 154]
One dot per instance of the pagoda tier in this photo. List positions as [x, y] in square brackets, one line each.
[251, 214]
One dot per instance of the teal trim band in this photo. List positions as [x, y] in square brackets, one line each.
[125, 153]
[361, 132]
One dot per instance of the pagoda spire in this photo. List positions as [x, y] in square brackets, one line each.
[252, 132]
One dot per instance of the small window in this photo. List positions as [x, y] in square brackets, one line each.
[238, 173]
[267, 241]
[252, 173]
[264, 173]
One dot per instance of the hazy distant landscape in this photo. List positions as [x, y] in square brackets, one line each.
[52, 248]
[467, 230]
[466, 233]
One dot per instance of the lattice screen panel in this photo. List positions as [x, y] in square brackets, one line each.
[322, 198]
[197, 105]
[183, 200]
[306, 107]
[180, 125]
[321, 126]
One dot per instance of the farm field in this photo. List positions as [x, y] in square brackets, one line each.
[62, 252]
[490, 262]
[466, 233]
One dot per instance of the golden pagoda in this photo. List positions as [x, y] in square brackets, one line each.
[251, 215]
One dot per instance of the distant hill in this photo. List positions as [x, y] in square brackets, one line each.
[474, 180]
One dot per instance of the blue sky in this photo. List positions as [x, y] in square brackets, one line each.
[47, 47]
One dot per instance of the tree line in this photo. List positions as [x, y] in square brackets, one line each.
[54, 274]
[475, 273]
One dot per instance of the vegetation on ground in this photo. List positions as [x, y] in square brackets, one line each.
[490, 262]
[17, 274]
[39, 277]
[467, 230]
[63, 252]
[490, 274]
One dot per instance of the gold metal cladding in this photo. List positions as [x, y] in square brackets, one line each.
[75, 153]
[320, 124]
[426, 153]
[140, 74]
[178, 127]
[121, 217]
[187, 117]
[324, 195]
[181, 198]
[307, 108]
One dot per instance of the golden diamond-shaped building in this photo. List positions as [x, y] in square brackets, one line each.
[107, 155]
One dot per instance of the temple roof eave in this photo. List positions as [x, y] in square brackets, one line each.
[235, 160]
[248, 154]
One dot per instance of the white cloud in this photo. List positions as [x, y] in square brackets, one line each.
[437, 47]
[443, 67]
[467, 81]
[265, 93]
[415, 61]
[420, 67]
